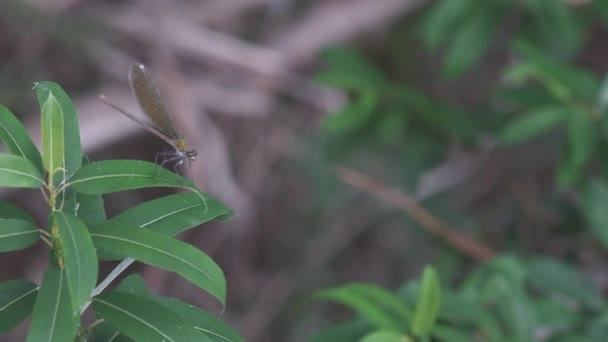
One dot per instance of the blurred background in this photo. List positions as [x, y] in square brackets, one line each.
[356, 140]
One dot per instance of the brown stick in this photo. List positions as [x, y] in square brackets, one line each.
[461, 242]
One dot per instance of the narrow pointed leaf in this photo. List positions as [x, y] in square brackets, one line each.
[79, 258]
[118, 175]
[7, 210]
[135, 284]
[17, 234]
[162, 251]
[16, 302]
[385, 336]
[18, 172]
[52, 134]
[203, 321]
[72, 149]
[378, 306]
[67, 201]
[429, 303]
[350, 330]
[534, 123]
[90, 208]
[105, 332]
[17, 141]
[53, 319]
[171, 214]
[143, 319]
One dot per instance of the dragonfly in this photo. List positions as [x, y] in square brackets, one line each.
[161, 122]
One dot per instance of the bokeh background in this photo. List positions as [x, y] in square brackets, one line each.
[356, 140]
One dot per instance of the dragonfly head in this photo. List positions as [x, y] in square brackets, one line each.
[191, 155]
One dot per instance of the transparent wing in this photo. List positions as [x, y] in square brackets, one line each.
[149, 100]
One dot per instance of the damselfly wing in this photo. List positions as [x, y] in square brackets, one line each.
[162, 123]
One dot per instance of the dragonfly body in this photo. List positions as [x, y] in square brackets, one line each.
[162, 123]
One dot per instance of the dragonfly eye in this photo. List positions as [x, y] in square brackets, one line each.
[192, 154]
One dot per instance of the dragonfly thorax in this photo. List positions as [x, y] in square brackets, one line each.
[192, 154]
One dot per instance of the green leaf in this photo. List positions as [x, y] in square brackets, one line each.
[429, 303]
[503, 284]
[558, 277]
[53, 319]
[171, 214]
[392, 126]
[143, 319]
[598, 328]
[118, 175]
[602, 96]
[348, 331]
[52, 135]
[72, 151]
[79, 258]
[595, 197]
[471, 40]
[532, 124]
[566, 84]
[89, 208]
[378, 306]
[439, 24]
[168, 215]
[347, 69]
[135, 284]
[354, 116]
[16, 302]
[206, 323]
[580, 146]
[67, 202]
[203, 321]
[556, 315]
[105, 332]
[16, 139]
[162, 251]
[523, 96]
[467, 311]
[16, 234]
[448, 333]
[513, 305]
[385, 336]
[550, 19]
[7, 210]
[18, 172]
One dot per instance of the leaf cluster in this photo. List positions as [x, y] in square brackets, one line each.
[79, 236]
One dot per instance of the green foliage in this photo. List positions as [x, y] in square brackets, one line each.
[506, 300]
[79, 235]
[382, 113]
[376, 305]
[429, 302]
[466, 29]
[540, 96]
[16, 300]
[388, 315]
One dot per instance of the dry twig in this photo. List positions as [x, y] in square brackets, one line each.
[450, 234]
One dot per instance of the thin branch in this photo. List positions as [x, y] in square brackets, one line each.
[451, 235]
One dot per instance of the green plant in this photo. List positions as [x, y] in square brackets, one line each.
[464, 30]
[542, 97]
[387, 317]
[79, 236]
[508, 299]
